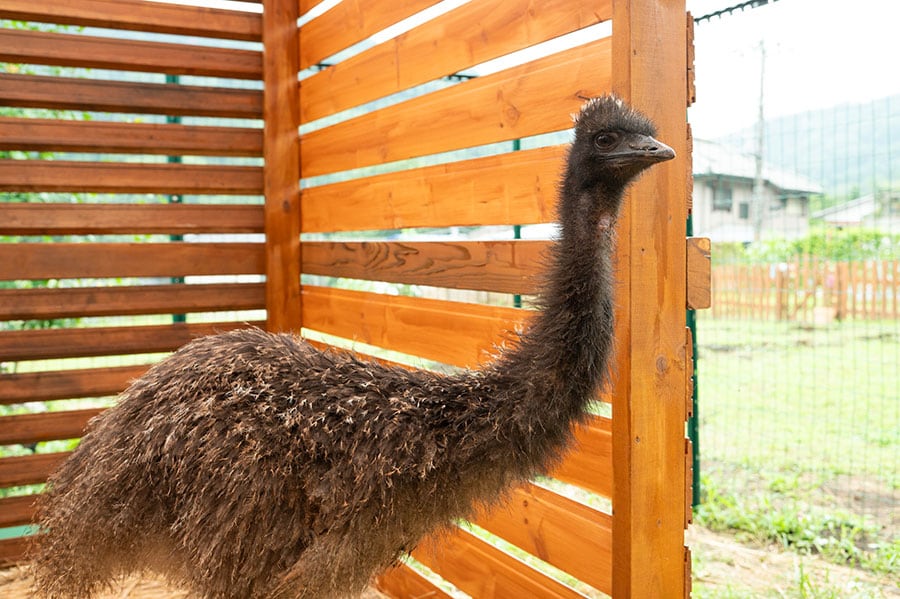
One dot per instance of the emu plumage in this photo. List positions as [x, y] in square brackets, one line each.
[252, 465]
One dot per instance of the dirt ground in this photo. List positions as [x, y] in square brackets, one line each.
[724, 567]
[15, 583]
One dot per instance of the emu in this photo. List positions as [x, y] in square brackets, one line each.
[252, 465]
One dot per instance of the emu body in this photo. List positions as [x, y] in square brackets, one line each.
[252, 465]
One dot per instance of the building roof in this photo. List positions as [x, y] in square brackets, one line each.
[853, 212]
[712, 159]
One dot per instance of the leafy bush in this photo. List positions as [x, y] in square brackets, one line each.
[830, 244]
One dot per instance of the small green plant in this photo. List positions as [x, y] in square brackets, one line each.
[787, 520]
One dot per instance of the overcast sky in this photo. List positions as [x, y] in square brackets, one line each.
[819, 53]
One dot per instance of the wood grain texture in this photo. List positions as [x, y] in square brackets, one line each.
[281, 147]
[349, 22]
[699, 273]
[29, 469]
[483, 571]
[105, 260]
[13, 551]
[110, 177]
[507, 189]
[449, 332]
[38, 91]
[46, 135]
[76, 302]
[649, 70]
[41, 344]
[575, 538]
[469, 35]
[113, 219]
[156, 17]
[589, 464]
[44, 426]
[67, 384]
[59, 49]
[17, 511]
[507, 105]
[402, 582]
[501, 266]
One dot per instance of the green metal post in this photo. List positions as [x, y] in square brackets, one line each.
[175, 198]
[693, 424]
[517, 229]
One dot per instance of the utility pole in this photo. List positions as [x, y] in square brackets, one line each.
[758, 204]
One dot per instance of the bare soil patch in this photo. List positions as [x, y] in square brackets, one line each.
[725, 567]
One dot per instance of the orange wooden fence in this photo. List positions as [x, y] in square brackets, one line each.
[361, 115]
[808, 289]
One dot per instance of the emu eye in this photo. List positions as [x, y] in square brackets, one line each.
[606, 139]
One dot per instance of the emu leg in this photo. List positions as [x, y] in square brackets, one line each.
[335, 566]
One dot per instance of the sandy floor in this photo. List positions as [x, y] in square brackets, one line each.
[15, 583]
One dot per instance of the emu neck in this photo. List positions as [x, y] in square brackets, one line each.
[562, 359]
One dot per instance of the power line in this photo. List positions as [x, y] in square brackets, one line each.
[727, 11]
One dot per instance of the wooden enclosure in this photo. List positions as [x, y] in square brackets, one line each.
[186, 202]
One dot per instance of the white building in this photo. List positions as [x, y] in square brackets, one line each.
[723, 196]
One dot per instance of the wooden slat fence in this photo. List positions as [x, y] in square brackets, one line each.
[133, 206]
[365, 135]
[808, 289]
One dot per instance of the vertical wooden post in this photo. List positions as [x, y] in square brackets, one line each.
[650, 71]
[281, 113]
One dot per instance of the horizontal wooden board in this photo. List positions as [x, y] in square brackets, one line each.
[108, 177]
[464, 37]
[46, 135]
[502, 266]
[481, 570]
[156, 17]
[74, 302]
[589, 464]
[39, 344]
[67, 384]
[13, 551]
[103, 260]
[58, 49]
[507, 189]
[112, 219]
[403, 581]
[537, 97]
[17, 511]
[30, 469]
[349, 22]
[38, 91]
[575, 538]
[450, 332]
[44, 426]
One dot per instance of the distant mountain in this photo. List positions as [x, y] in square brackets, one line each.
[849, 149]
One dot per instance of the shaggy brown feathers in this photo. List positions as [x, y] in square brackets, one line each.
[251, 465]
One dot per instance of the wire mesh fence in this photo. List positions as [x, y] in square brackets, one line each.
[799, 357]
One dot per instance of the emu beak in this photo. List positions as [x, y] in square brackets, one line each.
[642, 149]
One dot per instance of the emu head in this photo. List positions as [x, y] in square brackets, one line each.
[613, 144]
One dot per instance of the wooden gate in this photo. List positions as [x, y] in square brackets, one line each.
[411, 115]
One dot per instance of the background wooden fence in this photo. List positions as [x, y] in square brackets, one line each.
[808, 289]
[118, 253]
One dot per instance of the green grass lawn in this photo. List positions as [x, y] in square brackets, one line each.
[800, 438]
[785, 397]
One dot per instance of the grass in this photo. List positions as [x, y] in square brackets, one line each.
[789, 397]
[799, 446]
